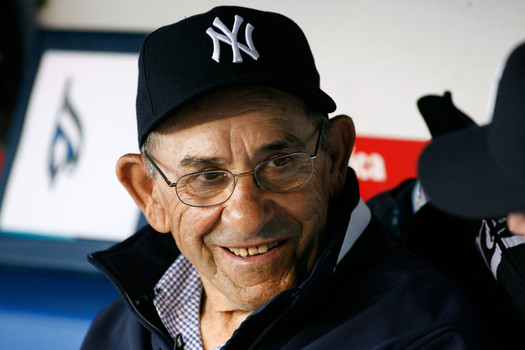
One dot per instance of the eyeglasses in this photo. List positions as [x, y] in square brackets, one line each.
[213, 187]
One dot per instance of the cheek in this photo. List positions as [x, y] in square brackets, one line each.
[310, 209]
[307, 208]
[313, 204]
[188, 227]
[185, 221]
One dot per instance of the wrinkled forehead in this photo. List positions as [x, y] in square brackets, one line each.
[235, 101]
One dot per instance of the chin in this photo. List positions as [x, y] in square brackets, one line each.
[251, 300]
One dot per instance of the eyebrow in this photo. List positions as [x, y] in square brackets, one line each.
[288, 142]
[192, 162]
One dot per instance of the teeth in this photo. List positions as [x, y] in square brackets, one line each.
[261, 249]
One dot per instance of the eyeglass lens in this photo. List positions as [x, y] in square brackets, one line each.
[279, 174]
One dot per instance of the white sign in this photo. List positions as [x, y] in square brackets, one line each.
[80, 119]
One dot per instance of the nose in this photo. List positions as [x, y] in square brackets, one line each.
[249, 208]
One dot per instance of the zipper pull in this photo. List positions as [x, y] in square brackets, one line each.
[179, 342]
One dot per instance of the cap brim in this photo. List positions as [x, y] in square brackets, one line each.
[311, 94]
[314, 96]
[460, 177]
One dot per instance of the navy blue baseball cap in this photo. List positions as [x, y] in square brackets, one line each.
[225, 47]
[479, 172]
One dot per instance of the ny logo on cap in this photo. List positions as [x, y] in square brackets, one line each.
[230, 38]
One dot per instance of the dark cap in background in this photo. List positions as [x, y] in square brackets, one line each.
[480, 172]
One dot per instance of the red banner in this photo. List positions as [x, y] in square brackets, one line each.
[381, 164]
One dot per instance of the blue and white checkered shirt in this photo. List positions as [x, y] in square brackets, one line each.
[177, 299]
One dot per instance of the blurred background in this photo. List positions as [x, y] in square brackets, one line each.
[67, 85]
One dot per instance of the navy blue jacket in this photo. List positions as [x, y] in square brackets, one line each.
[378, 296]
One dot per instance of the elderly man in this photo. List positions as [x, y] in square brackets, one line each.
[241, 168]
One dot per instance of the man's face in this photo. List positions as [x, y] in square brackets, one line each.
[236, 133]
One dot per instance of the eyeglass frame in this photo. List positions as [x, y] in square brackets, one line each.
[235, 176]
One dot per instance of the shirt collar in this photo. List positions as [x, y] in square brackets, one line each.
[177, 299]
[359, 220]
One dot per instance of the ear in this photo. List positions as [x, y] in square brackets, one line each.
[131, 173]
[341, 143]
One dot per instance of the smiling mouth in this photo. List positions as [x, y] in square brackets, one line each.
[251, 251]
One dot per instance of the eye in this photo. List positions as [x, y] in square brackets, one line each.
[204, 180]
[210, 176]
[279, 161]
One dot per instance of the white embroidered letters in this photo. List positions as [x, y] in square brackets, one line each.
[230, 38]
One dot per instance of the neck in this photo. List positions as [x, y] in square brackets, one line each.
[217, 325]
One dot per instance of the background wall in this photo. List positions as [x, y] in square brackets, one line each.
[376, 58]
